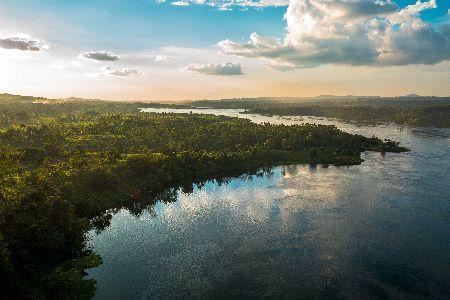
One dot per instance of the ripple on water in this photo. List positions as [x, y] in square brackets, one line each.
[377, 230]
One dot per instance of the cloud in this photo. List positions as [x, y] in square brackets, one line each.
[99, 55]
[163, 58]
[22, 42]
[181, 3]
[120, 72]
[226, 5]
[224, 69]
[357, 32]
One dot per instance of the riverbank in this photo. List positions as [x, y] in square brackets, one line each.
[61, 169]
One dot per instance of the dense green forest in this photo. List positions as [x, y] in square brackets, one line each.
[65, 162]
[415, 111]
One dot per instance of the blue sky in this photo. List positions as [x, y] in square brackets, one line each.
[146, 23]
[150, 24]
[197, 41]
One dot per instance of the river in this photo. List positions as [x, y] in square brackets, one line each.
[377, 230]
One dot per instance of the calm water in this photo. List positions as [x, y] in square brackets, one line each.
[377, 230]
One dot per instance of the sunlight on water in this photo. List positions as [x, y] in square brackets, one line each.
[375, 230]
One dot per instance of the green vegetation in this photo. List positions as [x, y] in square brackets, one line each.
[16, 109]
[423, 116]
[415, 111]
[62, 163]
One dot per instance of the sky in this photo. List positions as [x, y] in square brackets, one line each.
[210, 49]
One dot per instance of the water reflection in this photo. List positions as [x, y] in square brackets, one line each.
[377, 230]
[145, 202]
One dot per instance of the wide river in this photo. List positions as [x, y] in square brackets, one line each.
[377, 230]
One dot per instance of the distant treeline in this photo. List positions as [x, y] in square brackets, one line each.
[424, 116]
[16, 109]
[62, 163]
[416, 111]
[247, 103]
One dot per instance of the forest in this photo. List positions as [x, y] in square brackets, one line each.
[422, 116]
[414, 111]
[63, 163]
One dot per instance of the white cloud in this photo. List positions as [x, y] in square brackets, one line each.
[226, 5]
[99, 55]
[120, 72]
[163, 58]
[225, 69]
[410, 11]
[357, 32]
[58, 66]
[22, 42]
[181, 3]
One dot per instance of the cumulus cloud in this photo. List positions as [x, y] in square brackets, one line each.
[100, 55]
[351, 32]
[22, 42]
[224, 69]
[120, 72]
